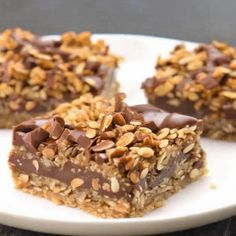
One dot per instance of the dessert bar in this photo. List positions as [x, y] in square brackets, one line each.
[38, 74]
[199, 83]
[107, 158]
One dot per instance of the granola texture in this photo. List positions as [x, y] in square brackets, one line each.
[200, 83]
[36, 75]
[107, 158]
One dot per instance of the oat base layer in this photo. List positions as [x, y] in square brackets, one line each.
[103, 206]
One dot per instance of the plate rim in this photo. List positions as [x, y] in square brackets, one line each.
[180, 223]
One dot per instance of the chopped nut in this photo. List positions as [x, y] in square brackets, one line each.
[103, 145]
[164, 132]
[144, 164]
[30, 105]
[117, 152]
[193, 96]
[172, 136]
[106, 187]
[194, 65]
[148, 141]
[48, 152]
[57, 189]
[68, 151]
[106, 122]
[24, 178]
[132, 163]
[189, 148]
[95, 184]
[91, 133]
[164, 89]
[123, 207]
[145, 130]
[146, 152]
[135, 123]
[233, 64]
[134, 177]
[228, 94]
[161, 159]
[14, 105]
[76, 182]
[125, 140]
[195, 173]
[164, 143]
[127, 128]
[37, 76]
[144, 173]
[56, 199]
[115, 186]
[119, 119]
[212, 186]
[93, 124]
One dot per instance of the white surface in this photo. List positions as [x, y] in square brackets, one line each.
[196, 205]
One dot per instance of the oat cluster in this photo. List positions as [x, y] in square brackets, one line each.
[205, 76]
[120, 137]
[33, 70]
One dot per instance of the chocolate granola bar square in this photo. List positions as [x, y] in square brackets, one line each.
[200, 83]
[36, 74]
[107, 158]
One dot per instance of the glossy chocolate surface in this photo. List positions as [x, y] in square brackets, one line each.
[65, 174]
[163, 119]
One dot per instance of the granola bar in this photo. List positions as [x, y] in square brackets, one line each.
[107, 158]
[37, 75]
[200, 83]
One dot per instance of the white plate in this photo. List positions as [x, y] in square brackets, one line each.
[196, 205]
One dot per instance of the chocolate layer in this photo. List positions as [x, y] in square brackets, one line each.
[187, 107]
[154, 181]
[30, 133]
[163, 119]
[66, 174]
[71, 171]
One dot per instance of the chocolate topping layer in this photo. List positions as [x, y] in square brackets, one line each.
[32, 139]
[163, 119]
[56, 127]
[187, 107]
[31, 133]
[79, 138]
